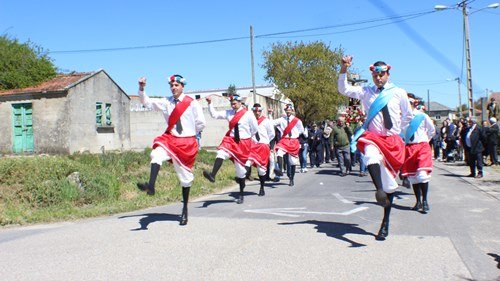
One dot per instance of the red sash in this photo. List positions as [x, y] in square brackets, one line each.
[235, 120]
[177, 112]
[260, 119]
[290, 126]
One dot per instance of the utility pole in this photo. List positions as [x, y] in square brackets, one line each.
[459, 99]
[467, 58]
[253, 69]
[428, 102]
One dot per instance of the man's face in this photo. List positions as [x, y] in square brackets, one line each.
[235, 104]
[380, 78]
[288, 112]
[176, 88]
[257, 111]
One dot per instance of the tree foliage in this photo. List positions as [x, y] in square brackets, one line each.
[307, 74]
[231, 90]
[23, 64]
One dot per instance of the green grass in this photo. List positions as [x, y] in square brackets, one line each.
[36, 189]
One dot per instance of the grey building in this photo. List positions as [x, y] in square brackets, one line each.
[437, 111]
[79, 112]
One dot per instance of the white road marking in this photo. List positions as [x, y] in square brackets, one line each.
[342, 199]
[292, 212]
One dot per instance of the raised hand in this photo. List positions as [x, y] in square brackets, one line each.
[142, 83]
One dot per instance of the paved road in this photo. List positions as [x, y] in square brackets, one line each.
[321, 229]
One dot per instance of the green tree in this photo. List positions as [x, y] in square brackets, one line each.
[231, 90]
[307, 74]
[23, 64]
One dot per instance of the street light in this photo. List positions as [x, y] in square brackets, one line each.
[466, 14]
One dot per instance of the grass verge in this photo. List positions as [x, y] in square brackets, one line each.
[57, 188]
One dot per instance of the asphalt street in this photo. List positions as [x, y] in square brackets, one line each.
[323, 228]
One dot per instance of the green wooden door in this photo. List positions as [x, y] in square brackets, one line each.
[23, 128]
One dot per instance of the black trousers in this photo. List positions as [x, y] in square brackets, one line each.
[476, 161]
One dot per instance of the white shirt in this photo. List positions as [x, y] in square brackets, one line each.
[265, 131]
[281, 123]
[399, 106]
[467, 137]
[247, 125]
[425, 131]
[192, 120]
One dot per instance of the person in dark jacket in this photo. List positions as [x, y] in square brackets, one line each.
[474, 143]
[492, 140]
[340, 140]
[316, 154]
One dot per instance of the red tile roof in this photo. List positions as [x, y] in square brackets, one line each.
[57, 84]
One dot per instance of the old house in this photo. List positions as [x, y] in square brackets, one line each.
[78, 112]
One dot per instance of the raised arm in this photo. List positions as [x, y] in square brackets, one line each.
[146, 101]
[342, 84]
[215, 113]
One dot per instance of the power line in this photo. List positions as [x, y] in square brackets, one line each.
[346, 24]
[351, 30]
[245, 37]
[149, 47]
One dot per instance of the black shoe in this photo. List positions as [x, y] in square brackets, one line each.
[240, 199]
[278, 172]
[208, 176]
[382, 198]
[471, 176]
[425, 207]
[406, 183]
[261, 192]
[418, 206]
[276, 179]
[383, 232]
[291, 183]
[184, 217]
[480, 175]
[343, 174]
[145, 187]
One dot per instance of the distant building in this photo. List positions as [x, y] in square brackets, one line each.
[79, 112]
[438, 111]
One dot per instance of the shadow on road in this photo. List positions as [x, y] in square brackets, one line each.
[497, 258]
[235, 195]
[328, 172]
[455, 175]
[150, 218]
[397, 195]
[336, 230]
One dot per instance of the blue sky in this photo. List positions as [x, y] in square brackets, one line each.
[426, 52]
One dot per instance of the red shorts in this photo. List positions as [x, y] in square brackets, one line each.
[289, 145]
[259, 154]
[418, 158]
[182, 150]
[239, 152]
[391, 147]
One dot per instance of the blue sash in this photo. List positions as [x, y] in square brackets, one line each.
[413, 127]
[382, 100]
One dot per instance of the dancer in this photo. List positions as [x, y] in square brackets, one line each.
[379, 141]
[290, 127]
[260, 151]
[178, 144]
[418, 154]
[237, 142]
